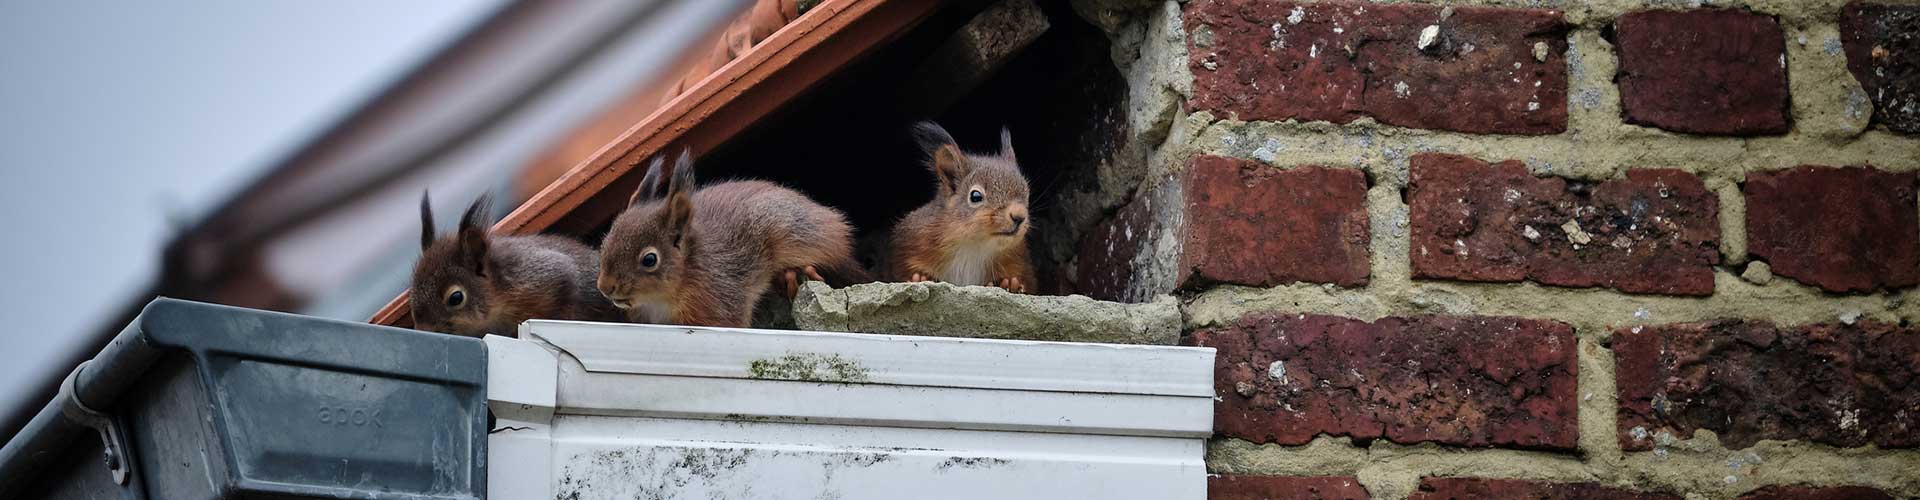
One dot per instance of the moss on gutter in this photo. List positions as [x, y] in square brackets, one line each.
[809, 367]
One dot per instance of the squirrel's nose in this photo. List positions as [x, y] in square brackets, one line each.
[1017, 220]
[607, 288]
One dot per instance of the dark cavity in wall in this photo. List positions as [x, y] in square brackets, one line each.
[846, 143]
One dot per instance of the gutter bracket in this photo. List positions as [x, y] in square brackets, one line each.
[113, 438]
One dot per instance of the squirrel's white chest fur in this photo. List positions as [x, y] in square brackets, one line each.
[647, 311]
[970, 264]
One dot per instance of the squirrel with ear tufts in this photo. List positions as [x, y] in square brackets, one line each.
[471, 283]
[974, 231]
[704, 256]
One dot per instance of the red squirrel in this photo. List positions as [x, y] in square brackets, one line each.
[704, 256]
[974, 230]
[471, 283]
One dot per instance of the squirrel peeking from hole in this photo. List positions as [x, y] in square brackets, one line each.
[704, 256]
[473, 283]
[974, 230]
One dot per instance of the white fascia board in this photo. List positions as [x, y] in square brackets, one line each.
[641, 411]
[605, 457]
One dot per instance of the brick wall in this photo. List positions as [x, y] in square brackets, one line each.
[1615, 249]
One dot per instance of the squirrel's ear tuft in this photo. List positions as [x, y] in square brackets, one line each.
[476, 215]
[650, 184]
[1006, 144]
[943, 155]
[426, 221]
[931, 136]
[679, 213]
[473, 235]
[682, 181]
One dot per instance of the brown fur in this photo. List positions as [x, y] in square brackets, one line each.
[504, 280]
[718, 248]
[953, 234]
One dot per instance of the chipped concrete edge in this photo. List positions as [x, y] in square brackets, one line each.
[940, 309]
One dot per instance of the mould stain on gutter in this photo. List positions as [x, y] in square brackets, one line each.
[660, 473]
[809, 367]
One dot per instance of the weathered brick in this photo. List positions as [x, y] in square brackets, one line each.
[1249, 224]
[1232, 487]
[1657, 231]
[1120, 259]
[1461, 488]
[1841, 385]
[1841, 229]
[1805, 493]
[1703, 71]
[1883, 52]
[1486, 70]
[1455, 380]
[1232, 221]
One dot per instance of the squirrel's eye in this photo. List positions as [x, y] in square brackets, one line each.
[649, 260]
[975, 196]
[456, 298]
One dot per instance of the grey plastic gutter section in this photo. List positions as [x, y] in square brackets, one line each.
[245, 366]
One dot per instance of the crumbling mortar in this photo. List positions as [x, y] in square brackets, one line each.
[1783, 302]
[1697, 468]
[1599, 159]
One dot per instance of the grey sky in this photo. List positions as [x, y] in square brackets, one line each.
[118, 119]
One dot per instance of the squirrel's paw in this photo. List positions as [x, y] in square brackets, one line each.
[1012, 285]
[916, 278]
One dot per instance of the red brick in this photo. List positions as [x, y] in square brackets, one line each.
[1116, 259]
[1841, 229]
[1249, 224]
[1451, 488]
[1841, 385]
[1883, 53]
[1703, 71]
[1340, 61]
[1657, 231]
[1231, 487]
[1455, 380]
[1234, 221]
[1805, 493]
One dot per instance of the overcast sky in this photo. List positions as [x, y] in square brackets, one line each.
[122, 120]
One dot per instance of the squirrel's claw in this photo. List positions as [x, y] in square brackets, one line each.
[792, 278]
[1012, 285]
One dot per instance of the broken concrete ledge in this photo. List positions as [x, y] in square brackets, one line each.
[945, 310]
